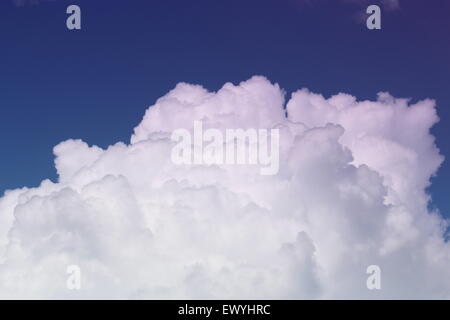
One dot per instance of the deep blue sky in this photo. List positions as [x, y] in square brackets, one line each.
[95, 84]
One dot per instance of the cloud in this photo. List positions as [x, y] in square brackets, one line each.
[359, 14]
[358, 7]
[350, 193]
[387, 4]
[22, 3]
[391, 4]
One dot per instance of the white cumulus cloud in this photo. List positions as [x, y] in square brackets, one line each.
[350, 193]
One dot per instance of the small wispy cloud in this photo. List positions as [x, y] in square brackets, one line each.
[386, 4]
[389, 5]
[21, 3]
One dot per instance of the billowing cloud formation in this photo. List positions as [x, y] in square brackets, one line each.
[350, 193]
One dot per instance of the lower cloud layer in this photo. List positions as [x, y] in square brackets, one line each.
[349, 193]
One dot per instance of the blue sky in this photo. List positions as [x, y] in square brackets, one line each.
[95, 84]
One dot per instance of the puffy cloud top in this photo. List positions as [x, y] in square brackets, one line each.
[350, 193]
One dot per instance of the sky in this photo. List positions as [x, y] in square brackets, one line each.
[96, 83]
[354, 160]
